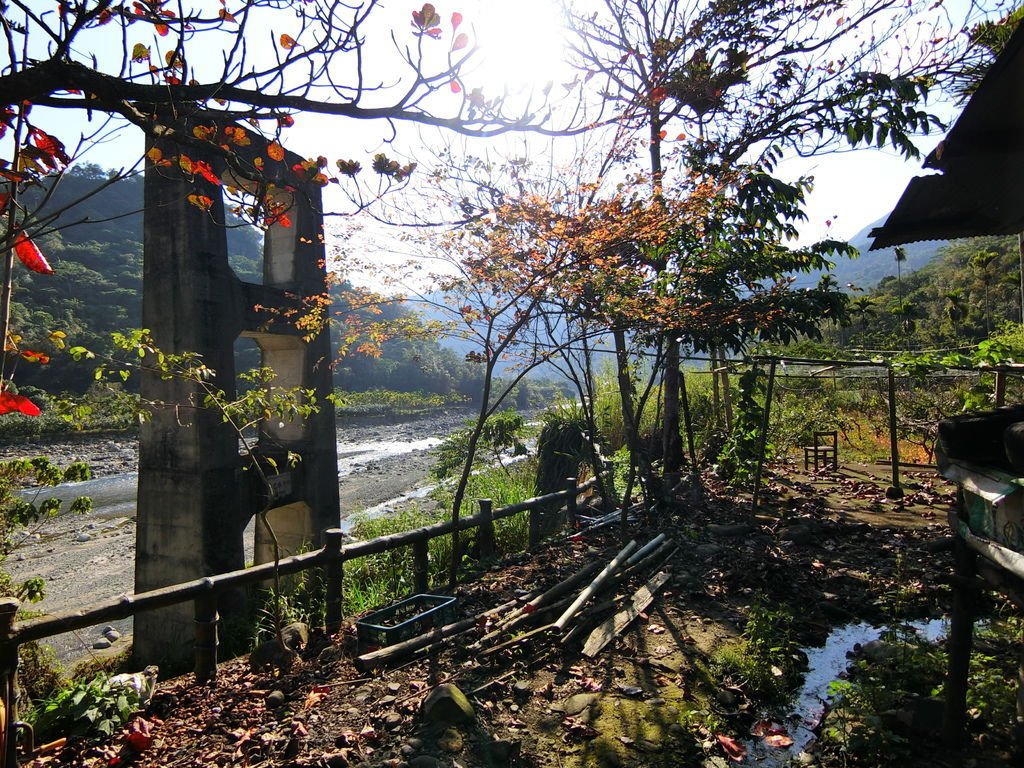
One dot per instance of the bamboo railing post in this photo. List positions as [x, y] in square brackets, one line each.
[688, 421]
[765, 422]
[961, 630]
[421, 565]
[609, 470]
[534, 537]
[570, 502]
[206, 618]
[1000, 389]
[334, 574]
[894, 491]
[486, 530]
[8, 683]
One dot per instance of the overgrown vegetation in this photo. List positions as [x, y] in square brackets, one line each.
[85, 709]
[890, 695]
[766, 662]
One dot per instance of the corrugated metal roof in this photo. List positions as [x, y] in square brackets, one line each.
[980, 190]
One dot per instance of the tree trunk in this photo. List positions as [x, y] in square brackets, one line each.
[671, 442]
[467, 470]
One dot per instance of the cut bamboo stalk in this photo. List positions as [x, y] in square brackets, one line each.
[646, 549]
[382, 656]
[594, 586]
[614, 626]
[545, 598]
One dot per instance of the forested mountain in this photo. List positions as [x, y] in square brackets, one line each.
[96, 289]
[971, 288]
[865, 271]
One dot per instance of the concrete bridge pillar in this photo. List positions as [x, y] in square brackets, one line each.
[196, 492]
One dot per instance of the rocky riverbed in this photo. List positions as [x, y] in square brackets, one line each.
[89, 558]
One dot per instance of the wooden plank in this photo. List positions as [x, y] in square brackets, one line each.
[613, 627]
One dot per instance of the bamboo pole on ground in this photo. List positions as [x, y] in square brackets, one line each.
[594, 586]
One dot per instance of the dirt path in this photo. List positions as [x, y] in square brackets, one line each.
[827, 551]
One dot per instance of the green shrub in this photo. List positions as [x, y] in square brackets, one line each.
[85, 710]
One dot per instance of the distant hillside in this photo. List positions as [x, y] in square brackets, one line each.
[96, 289]
[870, 267]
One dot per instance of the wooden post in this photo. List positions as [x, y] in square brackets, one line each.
[1000, 389]
[206, 618]
[535, 519]
[8, 683]
[334, 576]
[894, 491]
[609, 472]
[1019, 735]
[687, 420]
[764, 431]
[486, 530]
[961, 630]
[421, 566]
[570, 503]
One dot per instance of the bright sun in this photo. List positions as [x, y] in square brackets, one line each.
[521, 43]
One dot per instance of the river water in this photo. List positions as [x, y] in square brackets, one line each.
[90, 558]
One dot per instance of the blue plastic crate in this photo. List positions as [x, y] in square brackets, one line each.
[404, 620]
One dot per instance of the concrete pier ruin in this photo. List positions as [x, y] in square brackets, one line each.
[196, 492]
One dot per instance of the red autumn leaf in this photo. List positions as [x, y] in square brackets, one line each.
[456, 20]
[434, 32]
[31, 256]
[162, 30]
[456, 88]
[202, 202]
[17, 404]
[285, 121]
[662, 134]
[778, 740]
[36, 357]
[287, 42]
[658, 94]
[50, 145]
[460, 42]
[732, 748]
[139, 736]
[201, 168]
[275, 151]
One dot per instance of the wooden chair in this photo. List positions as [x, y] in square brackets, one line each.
[824, 452]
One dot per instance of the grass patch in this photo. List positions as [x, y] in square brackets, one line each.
[377, 580]
[385, 402]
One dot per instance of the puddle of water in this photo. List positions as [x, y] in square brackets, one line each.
[825, 665]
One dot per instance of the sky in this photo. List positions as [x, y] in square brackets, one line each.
[521, 48]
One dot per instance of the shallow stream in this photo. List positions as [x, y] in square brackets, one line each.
[825, 665]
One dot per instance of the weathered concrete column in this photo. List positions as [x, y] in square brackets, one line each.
[189, 521]
[195, 495]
